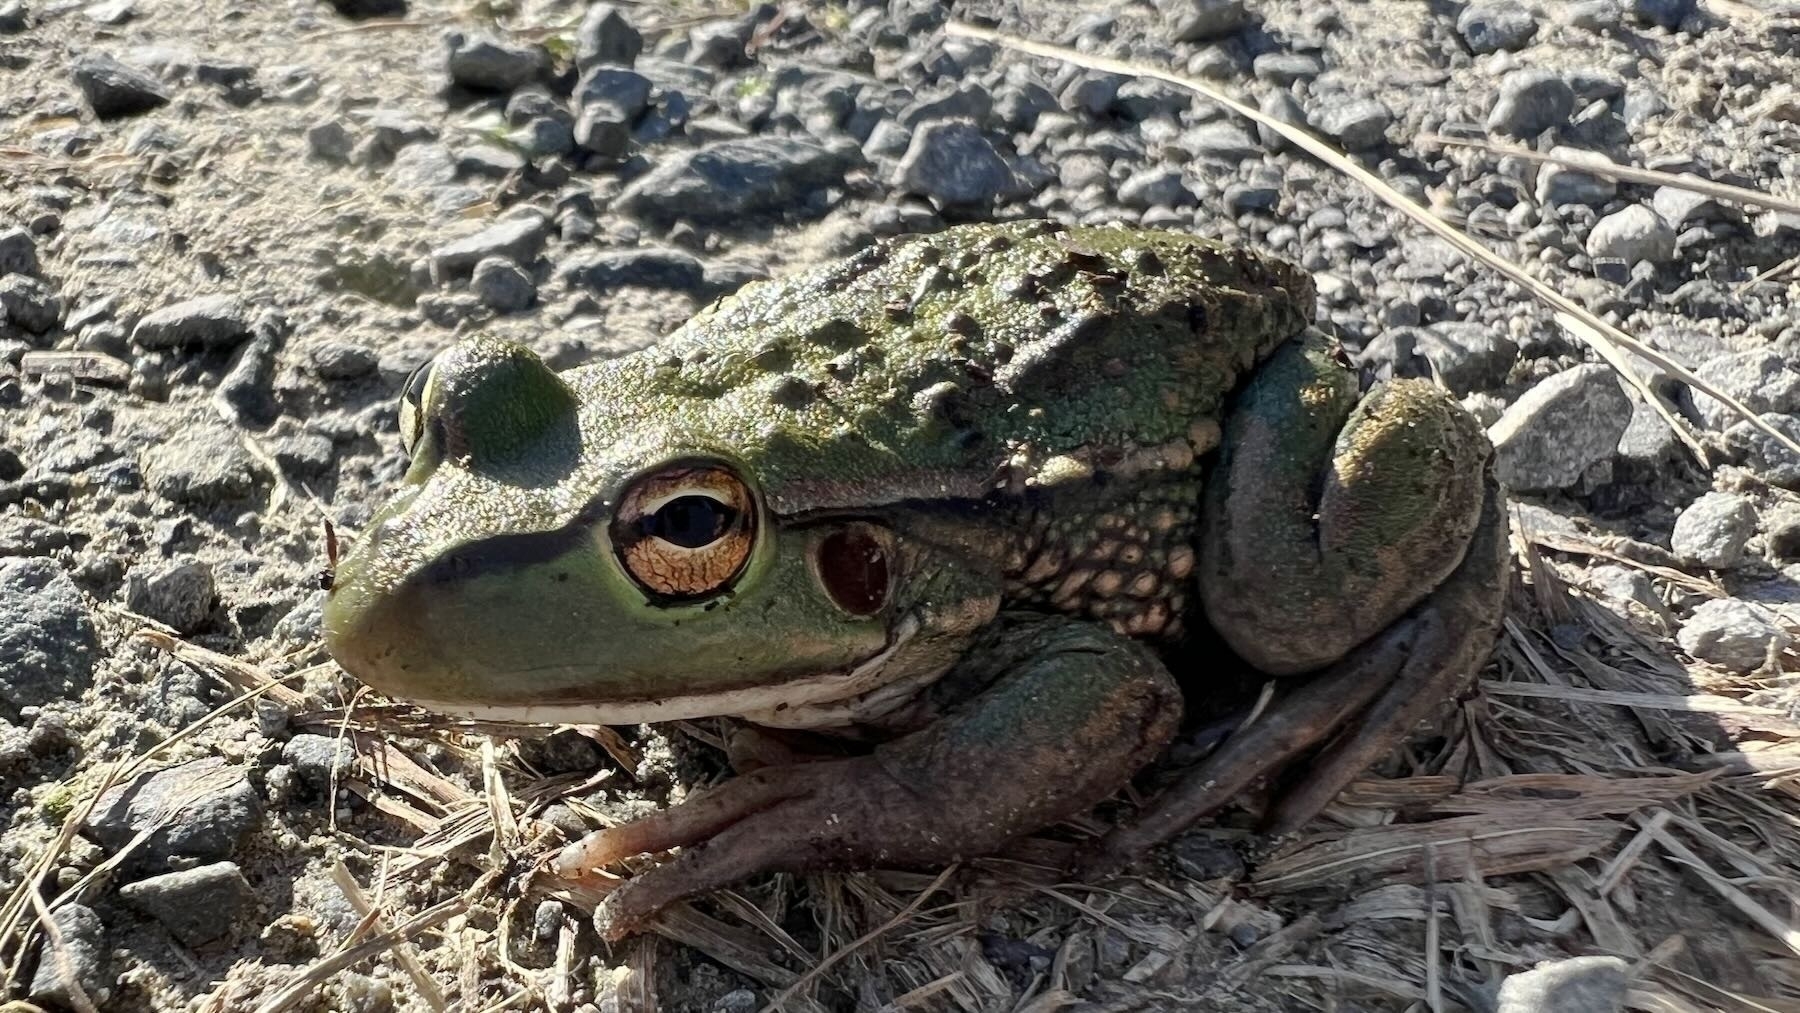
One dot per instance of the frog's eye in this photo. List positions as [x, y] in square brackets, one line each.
[685, 532]
[412, 405]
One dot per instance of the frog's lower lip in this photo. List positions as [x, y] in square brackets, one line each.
[812, 701]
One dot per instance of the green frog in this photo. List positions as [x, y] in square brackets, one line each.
[985, 506]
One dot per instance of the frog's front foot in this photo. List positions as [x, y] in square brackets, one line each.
[1063, 714]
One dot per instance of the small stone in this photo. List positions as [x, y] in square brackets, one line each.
[1761, 380]
[1574, 985]
[1632, 234]
[210, 322]
[1286, 68]
[180, 596]
[643, 266]
[1781, 530]
[213, 804]
[1597, 16]
[1663, 13]
[28, 303]
[1462, 355]
[1768, 457]
[1205, 20]
[1531, 100]
[954, 163]
[502, 285]
[517, 239]
[48, 644]
[716, 44]
[1156, 186]
[1552, 435]
[114, 90]
[14, 18]
[79, 965]
[606, 36]
[202, 465]
[1712, 531]
[484, 63]
[724, 180]
[18, 252]
[330, 142]
[359, 9]
[319, 760]
[1559, 184]
[1357, 124]
[1735, 635]
[199, 905]
[1493, 27]
[1226, 142]
[334, 359]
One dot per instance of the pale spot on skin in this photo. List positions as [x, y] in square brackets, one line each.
[1107, 584]
[1181, 562]
[1144, 585]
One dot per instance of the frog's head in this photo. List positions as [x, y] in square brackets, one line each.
[588, 550]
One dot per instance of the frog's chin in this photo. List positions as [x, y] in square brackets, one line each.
[862, 692]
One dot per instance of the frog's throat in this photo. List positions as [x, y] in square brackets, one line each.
[830, 699]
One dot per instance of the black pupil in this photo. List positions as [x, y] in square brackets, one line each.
[690, 521]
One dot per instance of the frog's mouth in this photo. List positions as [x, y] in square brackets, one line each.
[861, 692]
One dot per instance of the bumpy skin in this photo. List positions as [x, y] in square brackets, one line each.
[966, 520]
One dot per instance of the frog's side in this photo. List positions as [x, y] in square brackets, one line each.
[947, 492]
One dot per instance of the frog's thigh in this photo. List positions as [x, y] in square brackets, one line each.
[1068, 712]
[1327, 519]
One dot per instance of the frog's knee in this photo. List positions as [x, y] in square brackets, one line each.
[1295, 579]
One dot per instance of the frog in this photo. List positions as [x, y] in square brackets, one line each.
[992, 510]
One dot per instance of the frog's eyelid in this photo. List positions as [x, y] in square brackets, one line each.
[652, 506]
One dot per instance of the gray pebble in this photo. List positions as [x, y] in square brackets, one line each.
[1225, 142]
[214, 804]
[954, 163]
[645, 266]
[78, 963]
[209, 322]
[330, 141]
[518, 239]
[180, 595]
[1205, 20]
[201, 464]
[318, 759]
[29, 304]
[199, 905]
[1781, 530]
[1357, 124]
[1551, 436]
[1531, 100]
[1735, 635]
[716, 44]
[18, 251]
[1568, 184]
[1590, 15]
[1712, 531]
[1663, 13]
[1286, 68]
[483, 63]
[1492, 27]
[1464, 356]
[1762, 380]
[606, 36]
[721, 181]
[338, 359]
[1763, 454]
[14, 18]
[1632, 234]
[503, 286]
[47, 638]
[1154, 186]
[1574, 985]
[114, 89]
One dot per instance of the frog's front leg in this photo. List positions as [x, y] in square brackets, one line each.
[1359, 542]
[1070, 710]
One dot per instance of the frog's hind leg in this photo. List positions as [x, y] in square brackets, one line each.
[1361, 542]
[1360, 708]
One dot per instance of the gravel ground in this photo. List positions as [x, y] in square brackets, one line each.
[229, 230]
